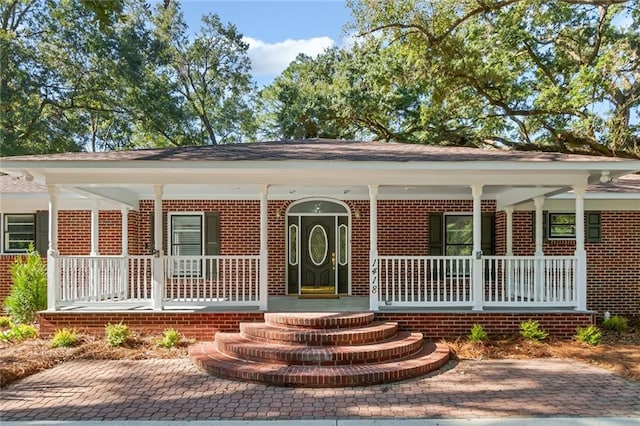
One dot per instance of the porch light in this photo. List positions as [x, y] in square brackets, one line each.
[605, 176]
[356, 213]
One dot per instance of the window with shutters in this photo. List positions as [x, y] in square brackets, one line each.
[186, 241]
[19, 232]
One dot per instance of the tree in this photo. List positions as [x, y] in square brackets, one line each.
[212, 76]
[116, 75]
[562, 75]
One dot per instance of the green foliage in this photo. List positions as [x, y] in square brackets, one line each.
[19, 332]
[531, 330]
[28, 293]
[590, 335]
[477, 333]
[555, 75]
[5, 322]
[117, 334]
[145, 82]
[64, 338]
[170, 339]
[616, 323]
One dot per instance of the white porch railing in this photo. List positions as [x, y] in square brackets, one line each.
[425, 280]
[231, 280]
[530, 281]
[207, 280]
[103, 279]
[507, 281]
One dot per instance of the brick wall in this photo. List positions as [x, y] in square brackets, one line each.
[613, 265]
[613, 271]
[203, 326]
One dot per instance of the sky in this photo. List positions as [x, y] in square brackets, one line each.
[276, 31]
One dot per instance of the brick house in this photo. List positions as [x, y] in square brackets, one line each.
[436, 238]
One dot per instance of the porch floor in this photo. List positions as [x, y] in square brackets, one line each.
[295, 304]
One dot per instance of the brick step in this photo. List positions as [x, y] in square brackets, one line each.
[320, 319]
[207, 358]
[371, 333]
[402, 345]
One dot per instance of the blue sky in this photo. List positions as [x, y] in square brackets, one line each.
[277, 30]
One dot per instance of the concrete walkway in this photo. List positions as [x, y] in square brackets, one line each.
[175, 390]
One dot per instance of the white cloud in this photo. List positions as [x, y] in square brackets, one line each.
[270, 59]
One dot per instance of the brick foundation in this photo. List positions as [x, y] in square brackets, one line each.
[202, 326]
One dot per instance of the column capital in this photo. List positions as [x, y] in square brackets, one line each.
[53, 190]
[264, 189]
[579, 190]
[509, 210]
[373, 190]
[158, 190]
[538, 202]
[476, 190]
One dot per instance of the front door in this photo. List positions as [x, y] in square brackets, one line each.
[318, 255]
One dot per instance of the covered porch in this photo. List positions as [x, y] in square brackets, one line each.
[162, 281]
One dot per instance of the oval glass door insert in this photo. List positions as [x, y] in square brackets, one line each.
[318, 245]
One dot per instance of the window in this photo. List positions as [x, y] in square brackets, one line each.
[562, 225]
[293, 245]
[343, 247]
[19, 232]
[186, 240]
[458, 235]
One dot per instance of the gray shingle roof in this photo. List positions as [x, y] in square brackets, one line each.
[315, 150]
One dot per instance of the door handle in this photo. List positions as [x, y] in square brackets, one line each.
[333, 260]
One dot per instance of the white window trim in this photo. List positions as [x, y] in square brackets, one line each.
[444, 228]
[3, 218]
[174, 268]
[548, 230]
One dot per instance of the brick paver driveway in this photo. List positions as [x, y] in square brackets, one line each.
[174, 389]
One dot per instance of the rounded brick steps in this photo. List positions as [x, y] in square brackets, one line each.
[206, 357]
[319, 350]
[373, 332]
[401, 345]
[319, 319]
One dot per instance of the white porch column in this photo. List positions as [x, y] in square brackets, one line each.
[52, 252]
[157, 292]
[539, 202]
[538, 264]
[581, 253]
[478, 273]
[95, 227]
[264, 247]
[509, 236]
[94, 269]
[125, 230]
[508, 266]
[373, 251]
[124, 269]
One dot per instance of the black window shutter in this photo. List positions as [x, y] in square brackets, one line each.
[212, 233]
[436, 242]
[42, 232]
[488, 234]
[594, 227]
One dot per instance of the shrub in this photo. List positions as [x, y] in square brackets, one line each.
[117, 334]
[531, 330]
[64, 338]
[477, 333]
[29, 291]
[590, 335]
[616, 323]
[19, 332]
[5, 322]
[170, 338]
